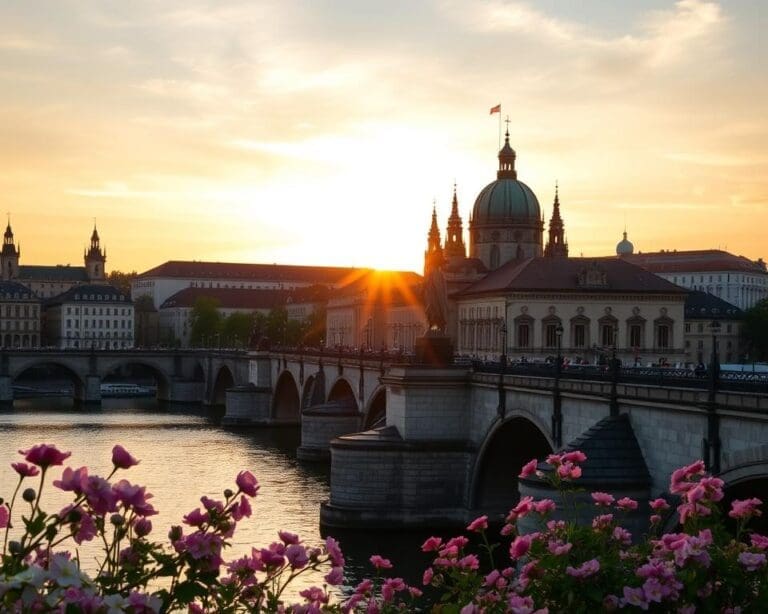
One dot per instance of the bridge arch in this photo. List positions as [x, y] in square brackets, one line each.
[223, 380]
[376, 412]
[342, 391]
[510, 444]
[66, 371]
[161, 377]
[306, 395]
[286, 404]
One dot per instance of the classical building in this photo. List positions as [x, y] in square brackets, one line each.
[48, 281]
[381, 310]
[708, 317]
[95, 316]
[20, 316]
[173, 276]
[588, 307]
[734, 279]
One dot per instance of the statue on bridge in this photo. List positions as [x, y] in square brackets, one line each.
[435, 297]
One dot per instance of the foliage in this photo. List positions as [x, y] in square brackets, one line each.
[755, 330]
[236, 329]
[121, 280]
[205, 320]
[560, 567]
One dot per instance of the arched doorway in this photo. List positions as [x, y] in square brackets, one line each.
[47, 379]
[223, 381]
[285, 401]
[500, 460]
[134, 379]
[376, 415]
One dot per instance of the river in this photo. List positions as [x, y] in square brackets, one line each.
[185, 454]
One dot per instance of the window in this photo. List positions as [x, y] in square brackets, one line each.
[728, 328]
[687, 327]
[700, 344]
[550, 335]
[662, 336]
[524, 335]
[700, 328]
[636, 335]
[606, 334]
[579, 335]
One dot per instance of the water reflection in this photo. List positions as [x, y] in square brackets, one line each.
[185, 454]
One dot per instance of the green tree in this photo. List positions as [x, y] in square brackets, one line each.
[314, 327]
[236, 329]
[121, 281]
[205, 321]
[755, 330]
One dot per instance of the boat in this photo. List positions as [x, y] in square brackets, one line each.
[126, 390]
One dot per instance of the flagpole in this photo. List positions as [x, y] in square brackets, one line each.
[499, 128]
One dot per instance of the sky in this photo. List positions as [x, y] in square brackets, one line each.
[322, 132]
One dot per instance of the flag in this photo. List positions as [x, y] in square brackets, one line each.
[496, 109]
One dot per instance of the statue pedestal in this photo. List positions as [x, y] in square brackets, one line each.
[434, 349]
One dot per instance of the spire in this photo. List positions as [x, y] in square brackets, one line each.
[433, 256]
[8, 236]
[507, 158]
[557, 246]
[454, 235]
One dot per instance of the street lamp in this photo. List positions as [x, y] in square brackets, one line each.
[614, 403]
[502, 409]
[503, 356]
[712, 442]
[557, 406]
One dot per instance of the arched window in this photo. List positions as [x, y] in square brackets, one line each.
[662, 333]
[636, 332]
[524, 332]
[549, 331]
[579, 332]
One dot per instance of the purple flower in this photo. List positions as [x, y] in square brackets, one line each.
[334, 552]
[335, 576]
[72, 480]
[247, 483]
[24, 470]
[380, 562]
[44, 455]
[297, 556]
[122, 459]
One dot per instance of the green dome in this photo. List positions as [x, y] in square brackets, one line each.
[506, 200]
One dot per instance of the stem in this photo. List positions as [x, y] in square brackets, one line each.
[10, 512]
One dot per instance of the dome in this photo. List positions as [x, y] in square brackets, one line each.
[624, 247]
[506, 200]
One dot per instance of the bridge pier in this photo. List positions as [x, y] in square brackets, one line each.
[182, 391]
[90, 390]
[248, 405]
[320, 424]
[6, 389]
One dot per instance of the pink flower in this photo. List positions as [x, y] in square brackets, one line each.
[752, 561]
[241, 510]
[297, 556]
[380, 562]
[247, 483]
[72, 480]
[99, 494]
[288, 538]
[626, 504]
[603, 498]
[520, 547]
[545, 506]
[655, 519]
[586, 569]
[635, 596]
[577, 456]
[603, 521]
[621, 535]
[745, 508]
[142, 527]
[431, 544]
[529, 468]
[390, 587]
[555, 460]
[478, 524]
[196, 518]
[44, 455]
[334, 552]
[569, 471]
[335, 576]
[759, 541]
[24, 470]
[427, 577]
[659, 504]
[4, 516]
[121, 458]
[468, 562]
[558, 548]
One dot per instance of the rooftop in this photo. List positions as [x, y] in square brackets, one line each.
[667, 261]
[710, 307]
[90, 293]
[245, 298]
[59, 272]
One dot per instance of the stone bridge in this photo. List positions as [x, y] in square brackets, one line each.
[181, 375]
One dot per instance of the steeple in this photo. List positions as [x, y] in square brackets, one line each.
[454, 236]
[10, 254]
[95, 258]
[507, 158]
[433, 256]
[556, 245]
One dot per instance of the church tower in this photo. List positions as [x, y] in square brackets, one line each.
[454, 237]
[9, 257]
[556, 245]
[433, 257]
[95, 259]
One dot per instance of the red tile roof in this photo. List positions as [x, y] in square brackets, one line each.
[694, 261]
[562, 275]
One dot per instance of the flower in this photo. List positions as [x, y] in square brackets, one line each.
[431, 544]
[658, 505]
[603, 499]
[72, 480]
[247, 483]
[121, 458]
[520, 547]
[380, 562]
[626, 504]
[529, 468]
[576, 456]
[478, 524]
[44, 455]
[335, 576]
[745, 508]
[24, 470]
[545, 506]
[586, 569]
[288, 538]
[242, 510]
[427, 577]
[4, 516]
[297, 556]
[752, 561]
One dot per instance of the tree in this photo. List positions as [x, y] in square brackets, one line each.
[236, 329]
[205, 321]
[122, 281]
[755, 330]
[314, 327]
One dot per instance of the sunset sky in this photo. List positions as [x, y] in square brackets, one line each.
[321, 132]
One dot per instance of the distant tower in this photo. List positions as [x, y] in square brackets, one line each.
[95, 259]
[433, 257]
[454, 237]
[9, 257]
[556, 245]
[624, 247]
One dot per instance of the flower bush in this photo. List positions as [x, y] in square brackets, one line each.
[560, 567]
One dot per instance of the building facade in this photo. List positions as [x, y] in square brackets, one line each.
[95, 316]
[709, 320]
[20, 316]
[47, 281]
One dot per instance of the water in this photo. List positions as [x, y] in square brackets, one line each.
[185, 454]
